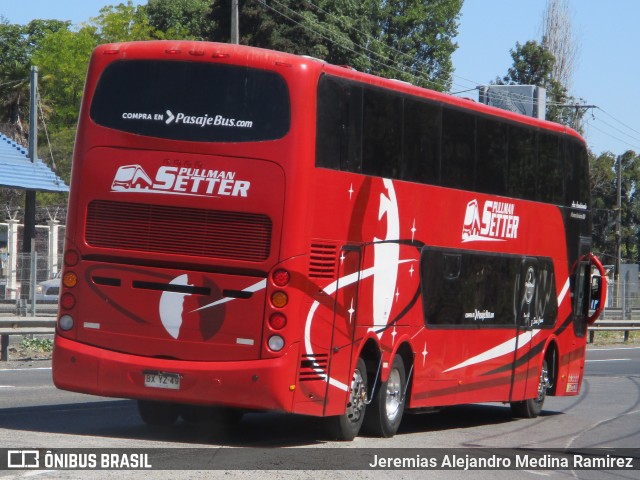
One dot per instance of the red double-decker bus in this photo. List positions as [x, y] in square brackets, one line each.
[254, 230]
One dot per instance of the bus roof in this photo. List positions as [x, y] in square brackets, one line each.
[264, 58]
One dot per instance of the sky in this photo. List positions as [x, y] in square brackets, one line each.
[605, 30]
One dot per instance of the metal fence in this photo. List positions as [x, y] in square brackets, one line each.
[22, 274]
[623, 295]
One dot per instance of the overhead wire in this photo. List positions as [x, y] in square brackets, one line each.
[385, 61]
[46, 131]
[380, 62]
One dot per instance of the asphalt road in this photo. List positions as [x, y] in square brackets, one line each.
[33, 414]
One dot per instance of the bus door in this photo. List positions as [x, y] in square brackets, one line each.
[527, 322]
[345, 313]
[580, 287]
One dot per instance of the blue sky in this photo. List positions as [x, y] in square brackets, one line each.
[606, 32]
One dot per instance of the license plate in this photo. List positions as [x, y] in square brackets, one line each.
[162, 380]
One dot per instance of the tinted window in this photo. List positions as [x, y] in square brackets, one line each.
[381, 133]
[192, 101]
[522, 163]
[421, 142]
[550, 169]
[463, 288]
[369, 130]
[468, 289]
[491, 149]
[339, 125]
[576, 176]
[458, 149]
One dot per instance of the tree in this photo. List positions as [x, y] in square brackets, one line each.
[62, 59]
[122, 23]
[179, 19]
[533, 65]
[603, 194]
[17, 44]
[558, 38]
[418, 40]
[406, 39]
[604, 205]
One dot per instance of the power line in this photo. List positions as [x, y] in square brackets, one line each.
[621, 123]
[390, 65]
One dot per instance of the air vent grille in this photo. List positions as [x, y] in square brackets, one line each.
[322, 261]
[178, 231]
[313, 367]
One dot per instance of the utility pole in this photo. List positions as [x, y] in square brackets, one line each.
[235, 33]
[618, 227]
[29, 231]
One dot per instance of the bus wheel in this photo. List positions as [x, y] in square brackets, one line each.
[159, 414]
[532, 407]
[385, 412]
[347, 426]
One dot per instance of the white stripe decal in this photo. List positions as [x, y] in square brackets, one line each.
[563, 293]
[256, 287]
[330, 290]
[507, 347]
[510, 345]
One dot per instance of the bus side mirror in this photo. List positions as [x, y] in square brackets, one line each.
[596, 292]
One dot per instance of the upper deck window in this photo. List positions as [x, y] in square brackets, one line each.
[200, 102]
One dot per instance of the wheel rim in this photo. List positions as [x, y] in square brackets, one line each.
[393, 397]
[357, 397]
[543, 384]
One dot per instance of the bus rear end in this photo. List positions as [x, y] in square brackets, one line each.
[175, 230]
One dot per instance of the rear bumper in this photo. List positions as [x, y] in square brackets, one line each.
[256, 384]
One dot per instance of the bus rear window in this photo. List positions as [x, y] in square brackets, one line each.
[199, 102]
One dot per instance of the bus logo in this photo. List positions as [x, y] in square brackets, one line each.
[497, 223]
[131, 177]
[199, 182]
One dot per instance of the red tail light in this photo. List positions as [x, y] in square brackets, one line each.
[67, 301]
[281, 277]
[277, 321]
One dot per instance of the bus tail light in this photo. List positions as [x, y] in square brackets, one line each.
[277, 321]
[281, 277]
[279, 299]
[276, 343]
[70, 280]
[66, 322]
[71, 258]
[67, 301]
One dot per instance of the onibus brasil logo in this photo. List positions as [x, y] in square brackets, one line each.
[497, 223]
[180, 181]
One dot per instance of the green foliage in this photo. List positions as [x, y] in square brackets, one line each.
[62, 59]
[122, 23]
[17, 44]
[533, 65]
[410, 40]
[179, 19]
[604, 198]
[418, 36]
[37, 344]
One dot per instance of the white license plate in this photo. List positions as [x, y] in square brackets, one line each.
[162, 380]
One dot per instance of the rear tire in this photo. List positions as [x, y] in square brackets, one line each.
[158, 414]
[532, 407]
[385, 412]
[346, 427]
